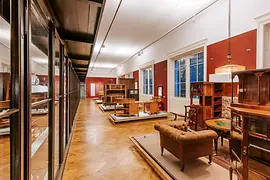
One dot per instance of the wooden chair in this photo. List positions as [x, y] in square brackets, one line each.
[235, 144]
[191, 115]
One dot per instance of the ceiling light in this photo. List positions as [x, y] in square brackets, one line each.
[229, 68]
[103, 46]
[139, 54]
[105, 65]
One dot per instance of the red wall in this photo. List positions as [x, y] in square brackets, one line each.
[160, 79]
[136, 77]
[218, 52]
[99, 83]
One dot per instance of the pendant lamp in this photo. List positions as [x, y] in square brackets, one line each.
[229, 68]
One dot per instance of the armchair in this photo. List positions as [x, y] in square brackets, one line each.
[183, 144]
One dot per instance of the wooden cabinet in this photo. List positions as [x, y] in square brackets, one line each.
[129, 82]
[254, 109]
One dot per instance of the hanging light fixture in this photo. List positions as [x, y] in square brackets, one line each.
[229, 68]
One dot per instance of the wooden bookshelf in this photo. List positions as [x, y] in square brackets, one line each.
[112, 92]
[210, 98]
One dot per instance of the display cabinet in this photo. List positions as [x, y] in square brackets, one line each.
[253, 128]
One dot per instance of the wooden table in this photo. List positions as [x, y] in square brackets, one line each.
[222, 127]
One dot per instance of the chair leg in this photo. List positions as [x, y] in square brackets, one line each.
[182, 167]
[231, 173]
[210, 159]
[162, 150]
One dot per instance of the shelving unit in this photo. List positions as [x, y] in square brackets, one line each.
[210, 98]
[113, 91]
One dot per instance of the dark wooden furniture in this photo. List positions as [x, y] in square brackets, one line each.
[210, 99]
[112, 92]
[253, 128]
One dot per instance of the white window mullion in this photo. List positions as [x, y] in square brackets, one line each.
[188, 76]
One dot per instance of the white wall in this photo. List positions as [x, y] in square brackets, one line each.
[210, 25]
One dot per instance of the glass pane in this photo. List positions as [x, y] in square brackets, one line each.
[39, 59]
[183, 90]
[150, 81]
[39, 144]
[193, 73]
[183, 62]
[201, 58]
[182, 74]
[193, 60]
[176, 91]
[176, 64]
[39, 64]
[57, 110]
[64, 139]
[4, 90]
[146, 82]
[201, 72]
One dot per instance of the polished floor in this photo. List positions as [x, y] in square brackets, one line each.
[101, 150]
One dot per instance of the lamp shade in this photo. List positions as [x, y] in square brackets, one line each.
[229, 68]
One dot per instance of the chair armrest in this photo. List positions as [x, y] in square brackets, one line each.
[177, 115]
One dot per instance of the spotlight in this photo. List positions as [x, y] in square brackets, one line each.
[139, 54]
[103, 46]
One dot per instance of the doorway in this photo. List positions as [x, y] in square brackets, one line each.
[92, 89]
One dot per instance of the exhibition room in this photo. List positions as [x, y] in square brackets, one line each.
[135, 89]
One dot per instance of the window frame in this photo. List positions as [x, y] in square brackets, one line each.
[147, 77]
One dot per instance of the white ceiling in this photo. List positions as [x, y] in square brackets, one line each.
[138, 23]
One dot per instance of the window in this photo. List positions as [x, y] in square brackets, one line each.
[180, 78]
[148, 81]
[187, 70]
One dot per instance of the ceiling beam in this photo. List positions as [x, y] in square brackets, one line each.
[76, 36]
[79, 65]
[79, 57]
[80, 71]
[97, 1]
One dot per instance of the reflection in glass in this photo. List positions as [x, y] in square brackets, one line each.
[57, 110]
[39, 145]
[4, 99]
[39, 61]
